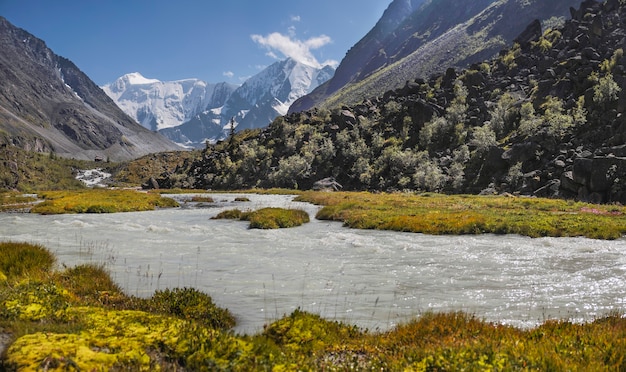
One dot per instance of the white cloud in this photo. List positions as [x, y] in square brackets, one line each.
[228, 74]
[331, 62]
[292, 31]
[295, 18]
[288, 45]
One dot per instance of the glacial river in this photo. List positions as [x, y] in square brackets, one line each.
[374, 279]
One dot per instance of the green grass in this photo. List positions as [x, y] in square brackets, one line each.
[268, 218]
[100, 201]
[17, 259]
[466, 214]
[78, 318]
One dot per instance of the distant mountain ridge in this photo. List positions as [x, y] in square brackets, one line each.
[47, 104]
[432, 36]
[191, 111]
[159, 105]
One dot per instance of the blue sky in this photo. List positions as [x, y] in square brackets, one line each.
[213, 40]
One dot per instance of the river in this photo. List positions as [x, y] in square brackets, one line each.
[373, 279]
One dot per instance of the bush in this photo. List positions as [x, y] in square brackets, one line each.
[606, 90]
[529, 122]
[483, 138]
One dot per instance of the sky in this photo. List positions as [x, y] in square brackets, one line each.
[212, 40]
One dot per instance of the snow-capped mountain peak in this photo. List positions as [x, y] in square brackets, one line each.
[136, 78]
[192, 111]
[158, 105]
[279, 85]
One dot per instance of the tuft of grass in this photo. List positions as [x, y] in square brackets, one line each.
[100, 201]
[190, 304]
[91, 284]
[230, 214]
[199, 199]
[21, 259]
[275, 218]
[268, 218]
[469, 214]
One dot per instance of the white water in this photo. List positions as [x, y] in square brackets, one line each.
[374, 279]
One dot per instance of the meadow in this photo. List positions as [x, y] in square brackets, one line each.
[439, 214]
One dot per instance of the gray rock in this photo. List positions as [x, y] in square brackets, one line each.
[327, 184]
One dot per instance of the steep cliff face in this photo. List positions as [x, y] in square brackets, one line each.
[434, 35]
[48, 104]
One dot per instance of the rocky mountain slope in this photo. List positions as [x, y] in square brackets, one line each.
[48, 105]
[429, 37]
[544, 118]
[190, 112]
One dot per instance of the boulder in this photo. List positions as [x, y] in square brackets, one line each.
[151, 184]
[327, 184]
[348, 117]
[602, 176]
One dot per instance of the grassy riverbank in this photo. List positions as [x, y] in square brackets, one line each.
[78, 318]
[470, 214]
[421, 213]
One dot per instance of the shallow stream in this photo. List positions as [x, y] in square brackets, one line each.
[374, 279]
